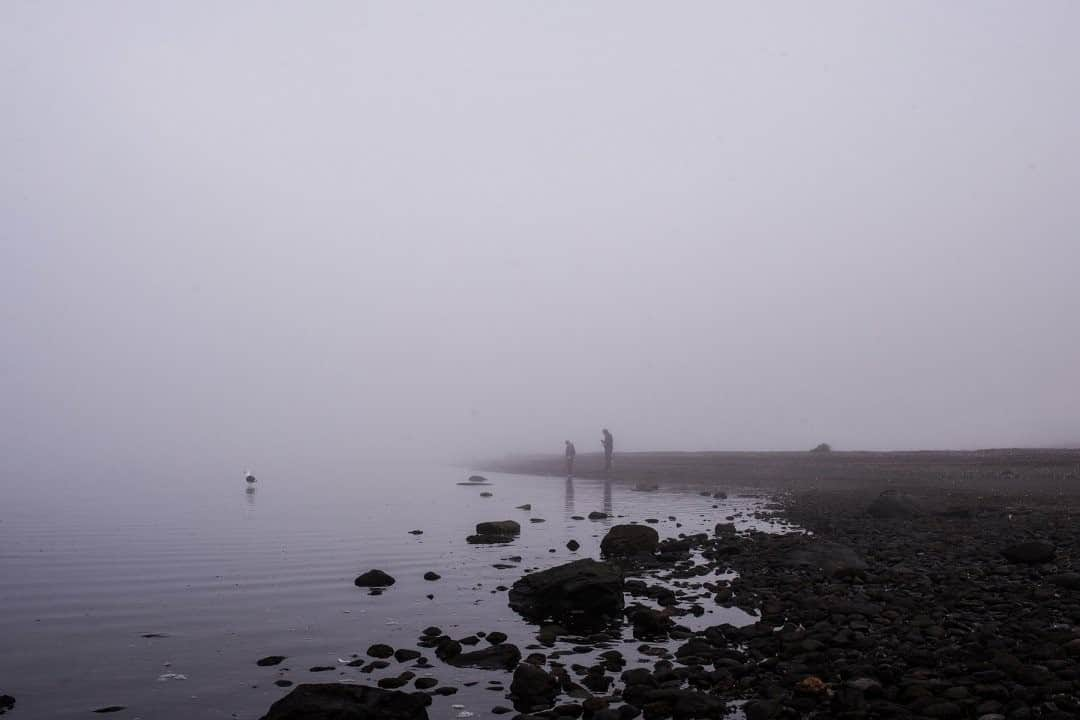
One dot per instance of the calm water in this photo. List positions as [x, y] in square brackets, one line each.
[230, 574]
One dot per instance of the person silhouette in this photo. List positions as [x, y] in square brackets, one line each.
[571, 452]
[609, 446]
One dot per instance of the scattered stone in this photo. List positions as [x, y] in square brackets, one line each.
[526, 506]
[573, 545]
[322, 668]
[270, 660]
[532, 686]
[374, 578]
[595, 515]
[425, 683]
[892, 504]
[432, 576]
[496, 637]
[107, 709]
[416, 532]
[1029, 553]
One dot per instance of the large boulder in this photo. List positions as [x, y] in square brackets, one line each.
[374, 578]
[580, 590]
[892, 504]
[830, 558]
[630, 540]
[497, 657]
[341, 701]
[1029, 553]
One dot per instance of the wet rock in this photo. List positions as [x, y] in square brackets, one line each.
[405, 655]
[595, 515]
[283, 682]
[891, 505]
[1069, 581]
[499, 527]
[761, 709]
[381, 651]
[496, 657]
[432, 576]
[425, 683]
[487, 494]
[444, 691]
[1029, 553]
[496, 637]
[488, 539]
[537, 520]
[6, 703]
[270, 660]
[533, 686]
[622, 540]
[321, 668]
[833, 559]
[727, 528]
[341, 701]
[573, 545]
[432, 631]
[447, 648]
[477, 479]
[526, 506]
[374, 578]
[583, 589]
[102, 710]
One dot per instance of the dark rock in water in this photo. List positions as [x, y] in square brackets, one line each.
[498, 527]
[597, 515]
[630, 540]
[425, 683]
[477, 479]
[432, 576]
[486, 494]
[380, 651]
[322, 668]
[536, 520]
[683, 703]
[488, 539]
[154, 635]
[374, 578]
[648, 622]
[533, 686]
[6, 703]
[433, 631]
[270, 660]
[526, 506]
[495, 637]
[109, 709]
[416, 532]
[727, 528]
[832, 559]
[573, 545]
[892, 504]
[1029, 553]
[495, 657]
[583, 589]
[405, 655]
[341, 701]
[761, 709]
[283, 683]
[447, 648]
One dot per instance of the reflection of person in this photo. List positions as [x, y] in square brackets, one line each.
[570, 453]
[609, 446]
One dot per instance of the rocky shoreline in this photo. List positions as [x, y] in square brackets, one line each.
[934, 603]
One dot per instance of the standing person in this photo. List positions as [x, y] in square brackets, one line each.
[571, 451]
[609, 446]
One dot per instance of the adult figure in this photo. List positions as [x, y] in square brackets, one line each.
[609, 447]
[571, 452]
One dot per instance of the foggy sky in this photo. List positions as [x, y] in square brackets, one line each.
[259, 233]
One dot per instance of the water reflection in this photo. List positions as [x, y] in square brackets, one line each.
[249, 494]
[569, 496]
[607, 497]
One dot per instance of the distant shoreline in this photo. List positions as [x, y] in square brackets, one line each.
[1012, 470]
